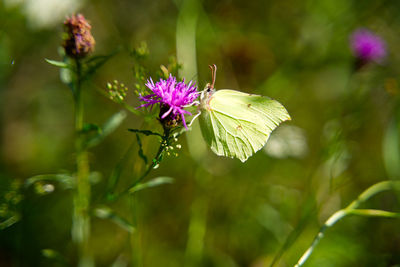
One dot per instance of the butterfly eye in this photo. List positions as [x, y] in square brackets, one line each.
[208, 88]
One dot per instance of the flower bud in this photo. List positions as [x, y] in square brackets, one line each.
[79, 40]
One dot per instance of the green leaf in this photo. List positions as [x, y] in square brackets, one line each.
[108, 213]
[66, 76]
[113, 122]
[152, 183]
[374, 213]
[145, 132]
[141, 153]
[107, 128]
[56, 63]
[10, 221]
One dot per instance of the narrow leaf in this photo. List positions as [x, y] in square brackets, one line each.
[108, 213]
[114, 122]
[374, 213]
[141, 153]
[152, 183]
[145, 132]
[10, 221]
[107, 128]
[56, 63]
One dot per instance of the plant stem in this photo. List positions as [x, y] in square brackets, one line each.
[373, 190]
[331, 221]
[81, 219]
[135, 236]
[136, 259]
[351, 209]
[156, 160]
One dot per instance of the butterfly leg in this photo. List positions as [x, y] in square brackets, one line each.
[198, 114]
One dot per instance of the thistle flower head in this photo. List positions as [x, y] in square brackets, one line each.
[79, 40]
[367, 46]
[173, 97]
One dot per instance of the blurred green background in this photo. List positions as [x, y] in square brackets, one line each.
[343, 137]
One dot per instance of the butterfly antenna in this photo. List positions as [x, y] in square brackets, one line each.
[213, 69]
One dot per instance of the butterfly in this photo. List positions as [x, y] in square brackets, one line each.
[236, 124]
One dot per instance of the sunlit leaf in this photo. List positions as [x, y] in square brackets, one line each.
[152, 183]
[66, 76]
[374, 213]
[56, 63]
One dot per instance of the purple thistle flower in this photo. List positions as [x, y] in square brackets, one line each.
[173, 97]
[367, 47]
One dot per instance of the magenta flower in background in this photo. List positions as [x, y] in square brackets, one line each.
[173, 97]
[367, 46]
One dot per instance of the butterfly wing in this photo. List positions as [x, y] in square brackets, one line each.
[236, 124]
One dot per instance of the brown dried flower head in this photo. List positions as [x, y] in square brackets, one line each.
[79, 40]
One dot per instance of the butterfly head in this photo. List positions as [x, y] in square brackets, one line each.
[206, 95]
[209, 89]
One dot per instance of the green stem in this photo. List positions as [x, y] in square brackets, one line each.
[135, 236]
[373, 190]
[156, 160]
[331, 221]
[374, 213]
[81, 220]
[352, 210]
